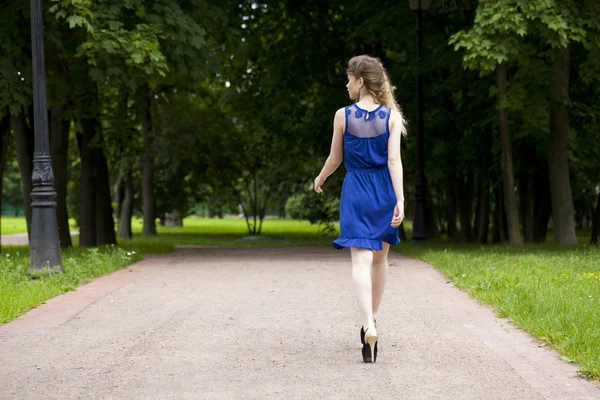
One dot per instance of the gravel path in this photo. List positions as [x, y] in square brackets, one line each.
[207, 323]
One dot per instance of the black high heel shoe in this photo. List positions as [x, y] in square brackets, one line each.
[362, 332]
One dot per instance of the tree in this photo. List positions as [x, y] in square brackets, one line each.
[4, 142]
[560, 184]
[132, 45]
[16, 88]
[547, 30]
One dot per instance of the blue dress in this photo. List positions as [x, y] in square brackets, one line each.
[368, 199]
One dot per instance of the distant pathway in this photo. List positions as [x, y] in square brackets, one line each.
[206, 323]
[22, 238]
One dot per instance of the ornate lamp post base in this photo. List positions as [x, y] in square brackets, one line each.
[44, 249]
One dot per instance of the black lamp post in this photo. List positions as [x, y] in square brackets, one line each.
[419, 232]
[44, 249]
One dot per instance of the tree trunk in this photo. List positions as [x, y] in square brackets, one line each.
[432, 226]
[499, 230]
[149, 228]
[118, 195]
[584, 212]
[558, 157]
[483, 210]
[209, 206]
[59, 150]
[596, 223]
[463, 197]
[451, 207]
[126, 208]
[119, 188]
[24, 146]
[506, 162]
[255, 206]
[526, 206]
[496, 228]
[4, 142]
[263, 211]
[541, 203]
[281, 208]
[87, 185]
[105, 223]
[482, 220]
[479, 189]
[449, 130]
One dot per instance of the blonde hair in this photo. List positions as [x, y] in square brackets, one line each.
[377, 82]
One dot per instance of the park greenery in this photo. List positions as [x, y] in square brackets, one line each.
[158, 107]
[162, 111]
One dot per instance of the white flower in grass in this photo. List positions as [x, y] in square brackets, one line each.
[7, 255]
[128, 253]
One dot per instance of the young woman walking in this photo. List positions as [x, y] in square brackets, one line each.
[372, 200]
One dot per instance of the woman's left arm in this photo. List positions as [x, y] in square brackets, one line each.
[335, 155]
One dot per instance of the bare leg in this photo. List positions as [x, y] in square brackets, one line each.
[379, 272]
[361, 277]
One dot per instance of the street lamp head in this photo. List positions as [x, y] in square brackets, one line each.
[422, 5]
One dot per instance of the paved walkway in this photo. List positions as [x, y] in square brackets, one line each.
[21, 238]
[271, 323]
[15, 238]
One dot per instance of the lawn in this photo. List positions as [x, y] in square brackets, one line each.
[20, 292]
[229, 233]
[12, 225]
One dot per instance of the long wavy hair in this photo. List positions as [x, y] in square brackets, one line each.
[377, 82]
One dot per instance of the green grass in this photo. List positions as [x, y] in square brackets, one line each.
[549, 291]
[12, 225]
[228, 233]
[19, 292]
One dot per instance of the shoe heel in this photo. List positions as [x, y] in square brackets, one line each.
[372, 346]
[371, 340]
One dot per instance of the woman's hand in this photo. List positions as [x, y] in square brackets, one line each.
[319, 181]
[398, 214]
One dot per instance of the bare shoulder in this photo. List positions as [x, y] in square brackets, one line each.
[339, 121]
[397, 123]
[341, 113]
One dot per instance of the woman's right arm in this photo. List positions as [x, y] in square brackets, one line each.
[337, 148]
[395, 166]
